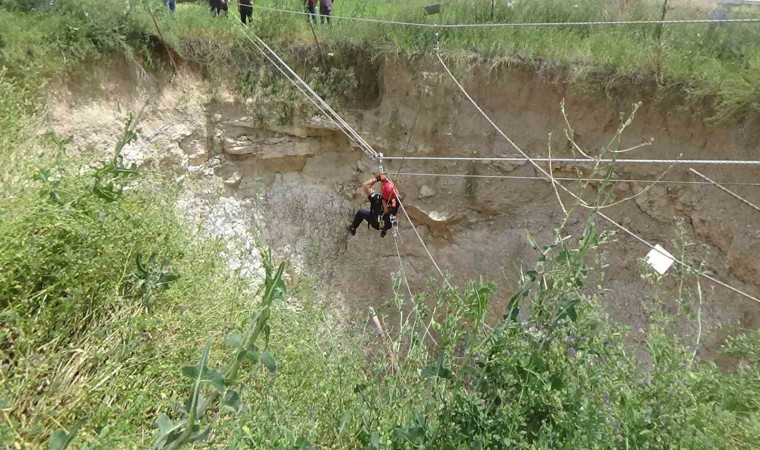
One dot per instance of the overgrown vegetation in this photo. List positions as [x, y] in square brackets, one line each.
[720, 64]
[105, 295]
[94, 336]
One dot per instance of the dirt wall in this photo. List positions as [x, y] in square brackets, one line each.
[302, 179]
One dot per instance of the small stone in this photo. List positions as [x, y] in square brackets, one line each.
[622, 190]
[233, 180]
[426, 191]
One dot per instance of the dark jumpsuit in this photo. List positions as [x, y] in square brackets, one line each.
[246, 10]
[218, 7]
[374, 216]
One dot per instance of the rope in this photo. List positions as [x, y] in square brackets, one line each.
[521, 24]
[411, 296]
[724, 162]
[526, 177]
[335, 117]
[438, 268]
[742, 199]
[411, 132]
[403, 271]
[304, 88]
[580, 200]
[315, 98]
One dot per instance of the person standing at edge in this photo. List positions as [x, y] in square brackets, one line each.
[171, 4]
[325, 10]
[245, 7]
[311, 8]
[218, 7]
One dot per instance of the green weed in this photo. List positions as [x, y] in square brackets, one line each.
[105, 296]
[717, 63]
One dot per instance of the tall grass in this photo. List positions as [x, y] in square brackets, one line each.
[701, 60]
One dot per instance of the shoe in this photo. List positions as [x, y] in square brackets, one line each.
[351, 230]
[382, 233]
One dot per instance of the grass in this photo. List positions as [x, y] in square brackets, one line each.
[105, 294]
[699, 62]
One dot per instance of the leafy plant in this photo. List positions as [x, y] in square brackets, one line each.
[150, 276]
[60, 439]
[173, 435]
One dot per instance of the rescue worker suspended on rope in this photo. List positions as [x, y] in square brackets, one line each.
[383, 207]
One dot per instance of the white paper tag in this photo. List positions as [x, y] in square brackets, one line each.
[660, 259]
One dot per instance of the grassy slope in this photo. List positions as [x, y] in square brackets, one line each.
[723, 63]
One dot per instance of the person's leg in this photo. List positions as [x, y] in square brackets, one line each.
[322, 13]
[329, 13]
[361, 216]
[243, 13]
[172, 6]
[313, 13]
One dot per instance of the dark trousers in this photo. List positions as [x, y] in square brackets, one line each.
[217, 7]
[362, 215]
[324, 14]
[373, 220]
[312, 9]
[246, 14]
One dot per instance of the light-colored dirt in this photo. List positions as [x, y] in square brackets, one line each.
[302, 180]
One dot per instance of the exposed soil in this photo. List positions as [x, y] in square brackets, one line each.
[301, 181]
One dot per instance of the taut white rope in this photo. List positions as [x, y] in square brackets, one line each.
[348, 130]
[580, 200]
[314, 97]
[693, 162]
[520, 24]
[732, 193]
[612, 180]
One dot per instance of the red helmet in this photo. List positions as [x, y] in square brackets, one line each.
[389, 188]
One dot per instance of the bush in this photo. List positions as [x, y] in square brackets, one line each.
[78, 258]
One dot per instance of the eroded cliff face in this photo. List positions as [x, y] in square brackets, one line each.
[299, 183]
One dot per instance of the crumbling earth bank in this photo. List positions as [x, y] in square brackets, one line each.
[295, 186]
